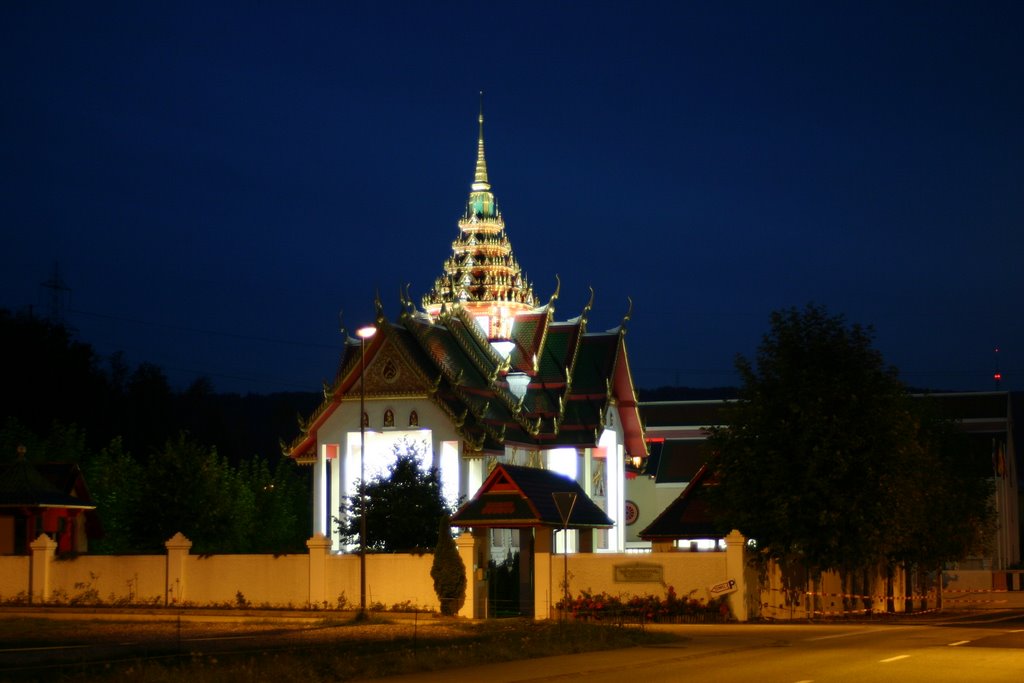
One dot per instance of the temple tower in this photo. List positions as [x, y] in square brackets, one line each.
[482, 274]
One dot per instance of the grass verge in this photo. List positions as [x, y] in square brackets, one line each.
[362, 651]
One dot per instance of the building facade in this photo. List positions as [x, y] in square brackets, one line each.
[678, 429]
[479, 374]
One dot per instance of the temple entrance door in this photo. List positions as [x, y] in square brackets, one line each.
[510, 574]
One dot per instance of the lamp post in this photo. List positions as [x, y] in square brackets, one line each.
[363, 333]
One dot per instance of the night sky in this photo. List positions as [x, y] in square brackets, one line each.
[216, 181]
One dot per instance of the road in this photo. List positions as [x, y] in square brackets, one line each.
[983, 648]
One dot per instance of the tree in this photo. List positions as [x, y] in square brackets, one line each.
[281, 510]
[448, 570]
[402, 508]
[187, 487]
[48, 376]
[812, 459]
[149, 407]
[946, 510]
[114, 479]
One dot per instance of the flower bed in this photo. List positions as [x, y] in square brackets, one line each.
[670, 609]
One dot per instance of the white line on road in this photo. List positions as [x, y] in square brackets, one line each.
[892, 659]
[959, 642]
[44, 647]
[859, 632]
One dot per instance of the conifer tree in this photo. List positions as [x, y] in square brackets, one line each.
[448, 571]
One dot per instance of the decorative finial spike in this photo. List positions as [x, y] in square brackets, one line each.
[480, 182]
[629, 315]
[379, 305]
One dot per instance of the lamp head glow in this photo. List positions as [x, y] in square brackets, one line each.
[366, 332]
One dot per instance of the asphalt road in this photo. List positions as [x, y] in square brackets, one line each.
[985, 647]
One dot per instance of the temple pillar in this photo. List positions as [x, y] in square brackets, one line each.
[586, 540]
[337, 498]
[320, 496]
[543, 591]
[466, 544]
[478, 574]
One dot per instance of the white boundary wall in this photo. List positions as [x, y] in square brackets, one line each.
[322, 580]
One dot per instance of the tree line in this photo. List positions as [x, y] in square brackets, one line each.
[825, 461]
[156, 461]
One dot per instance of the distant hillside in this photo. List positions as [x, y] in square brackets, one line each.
[687, 394]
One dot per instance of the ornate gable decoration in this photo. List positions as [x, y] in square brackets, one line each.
[390, 373]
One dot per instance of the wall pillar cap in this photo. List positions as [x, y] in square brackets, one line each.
[318, 541]
[734, 537]
[178, 542]
[44, 543]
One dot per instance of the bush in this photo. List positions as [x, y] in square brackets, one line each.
[669, 609]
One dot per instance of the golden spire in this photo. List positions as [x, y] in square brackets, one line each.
[480, 183]
[482, 274]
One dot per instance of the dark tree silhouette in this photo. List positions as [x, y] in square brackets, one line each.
[402, 508]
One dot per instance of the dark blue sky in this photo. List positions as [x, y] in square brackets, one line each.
[218, 180]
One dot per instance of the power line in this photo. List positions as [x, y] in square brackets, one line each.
[199, 330]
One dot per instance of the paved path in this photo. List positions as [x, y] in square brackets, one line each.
[984, 648]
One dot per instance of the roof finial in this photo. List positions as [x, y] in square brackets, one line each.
[480, 182]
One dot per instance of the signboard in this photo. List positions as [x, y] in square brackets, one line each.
[723, 588]
[639, 573]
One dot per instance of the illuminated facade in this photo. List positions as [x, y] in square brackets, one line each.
[479, 375]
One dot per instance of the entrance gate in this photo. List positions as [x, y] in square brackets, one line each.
[522, 498]
[503, 588]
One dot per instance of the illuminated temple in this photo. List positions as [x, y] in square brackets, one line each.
[481, 374]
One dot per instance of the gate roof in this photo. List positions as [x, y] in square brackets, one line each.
[515, 496]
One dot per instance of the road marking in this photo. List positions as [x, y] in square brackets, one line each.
[892, 659]
[959, 642]
[44, 647]
[860, 632]
[198, 640]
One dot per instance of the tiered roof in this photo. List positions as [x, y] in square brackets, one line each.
[689, 516]
[482, 274]
[579, 374]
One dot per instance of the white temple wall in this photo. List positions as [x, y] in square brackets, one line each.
[612, 442]
[651, 499]
[335, 478]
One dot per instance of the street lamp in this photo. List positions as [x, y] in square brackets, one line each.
[363, 333]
